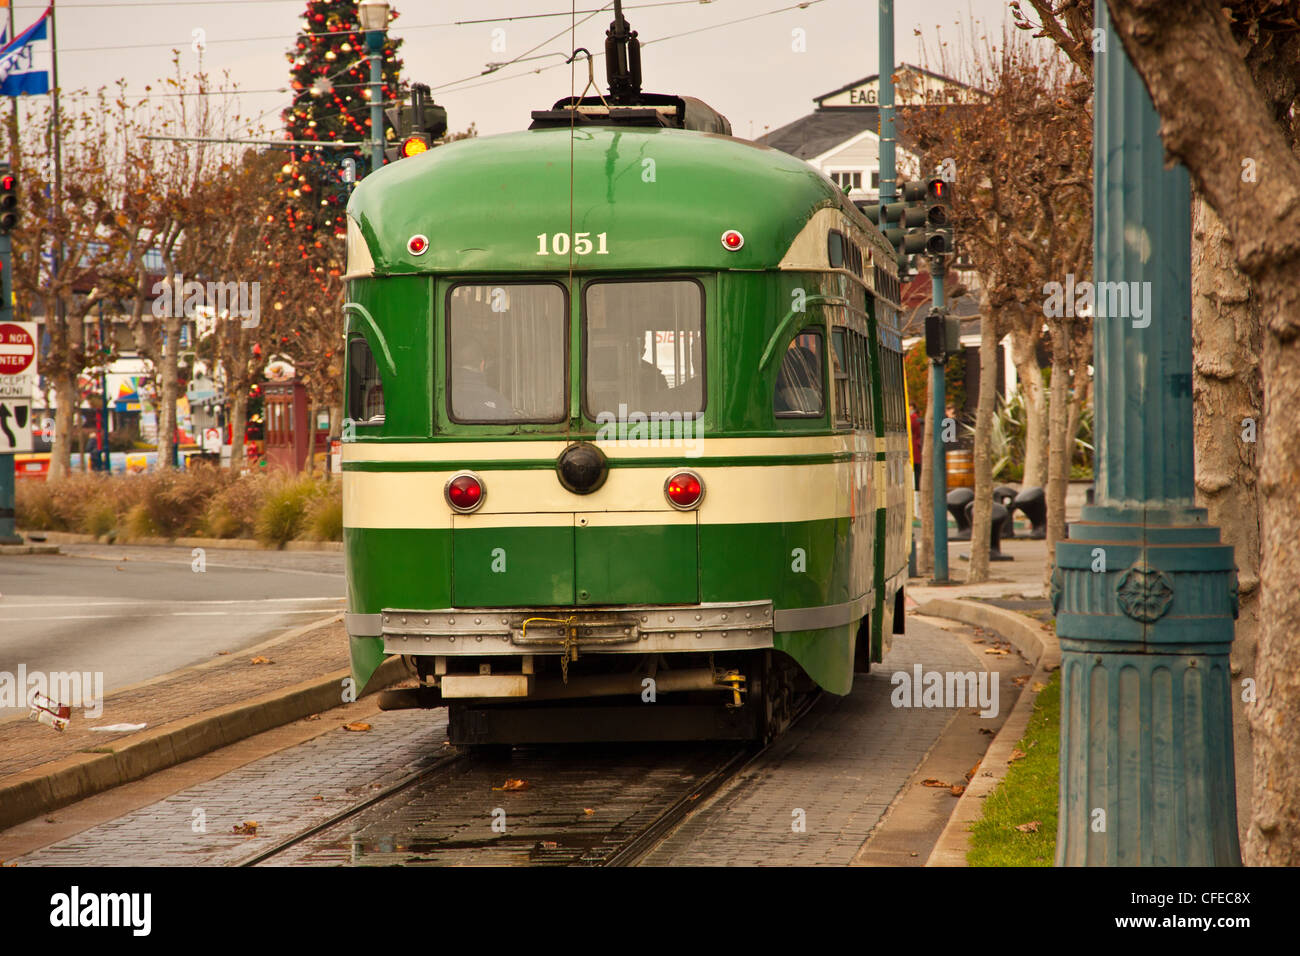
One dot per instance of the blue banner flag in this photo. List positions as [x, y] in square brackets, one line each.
[16, 77]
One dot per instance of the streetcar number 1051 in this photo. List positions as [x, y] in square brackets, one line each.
[581, 244]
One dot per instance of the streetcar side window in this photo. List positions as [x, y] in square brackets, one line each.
[506, 353]
[365, 386]
[840, 372]
[835, 249]
[799, 391]
[863, 385]
[643, 348]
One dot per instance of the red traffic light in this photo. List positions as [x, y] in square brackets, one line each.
[8, 182]
[938, 190]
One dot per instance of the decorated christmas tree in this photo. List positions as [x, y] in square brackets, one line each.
[330, 71]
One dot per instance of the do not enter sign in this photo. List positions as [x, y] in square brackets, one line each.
[17, 349]
[17, 359]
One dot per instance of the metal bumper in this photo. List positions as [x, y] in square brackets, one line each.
[629, 630]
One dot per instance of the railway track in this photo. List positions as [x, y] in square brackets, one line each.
[643, 811]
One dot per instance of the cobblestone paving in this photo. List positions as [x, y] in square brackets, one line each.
[279, 792]
[842, 766]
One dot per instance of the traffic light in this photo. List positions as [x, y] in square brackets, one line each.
[414, 127]
[942, 335]
[938, 217]
[8, 201]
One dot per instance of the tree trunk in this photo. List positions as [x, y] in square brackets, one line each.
[1058, 471]
[925, 553]
[309, 468]
[982, 513]
[1024, 353]
[168, 389]
[238, 425]
[65, 397]
[1226, 341]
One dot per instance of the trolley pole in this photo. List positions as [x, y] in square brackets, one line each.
[1144, 592]
[939, 476]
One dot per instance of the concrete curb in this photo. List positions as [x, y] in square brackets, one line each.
[29, 549]
[69, 779]
[1037, 645]
[232, 544]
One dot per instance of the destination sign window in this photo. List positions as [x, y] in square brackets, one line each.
[644, 348]
[506, 352]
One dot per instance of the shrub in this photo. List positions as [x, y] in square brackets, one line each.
[284, 510]
[232, 512]
[325, 521]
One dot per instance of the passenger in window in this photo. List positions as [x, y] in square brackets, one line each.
[472, 398]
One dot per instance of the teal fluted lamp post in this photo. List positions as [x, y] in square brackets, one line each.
[373, 15]
[1145, 594]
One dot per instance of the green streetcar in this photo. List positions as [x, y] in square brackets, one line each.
[626, 452]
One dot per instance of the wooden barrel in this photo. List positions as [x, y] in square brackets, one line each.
[961, 468]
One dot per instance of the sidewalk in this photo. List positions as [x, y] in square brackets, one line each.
[1012, 604]
[187, 713]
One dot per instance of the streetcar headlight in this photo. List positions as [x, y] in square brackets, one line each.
[684, 490]
[465, 492]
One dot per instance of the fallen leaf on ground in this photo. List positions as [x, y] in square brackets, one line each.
[977, 640]
[1038, 686]
[996, 650]
[247, 828]
[1021, 680]
[985, 730]
[1030, 827]
[588, 811]
[222, 653]
[514, 784]
[549, 845]
[972, 771]
[957, 789]
[932, 782]
[261, 660]
[312, 717]
[1015, 755]
[357, 725]
[318, 797]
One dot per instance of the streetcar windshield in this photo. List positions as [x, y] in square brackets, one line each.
[505, 353]
[644, 348]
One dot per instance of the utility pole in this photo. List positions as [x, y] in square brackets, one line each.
[1143, 591]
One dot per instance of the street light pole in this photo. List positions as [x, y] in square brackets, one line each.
[1143, 591]
[374, 21]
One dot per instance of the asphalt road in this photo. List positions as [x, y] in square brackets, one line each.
[135, 613]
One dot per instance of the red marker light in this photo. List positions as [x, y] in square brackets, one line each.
[414, 146]
[417, 245]
[684, 490]
[7, 182]
[732, 240]
[465, 493]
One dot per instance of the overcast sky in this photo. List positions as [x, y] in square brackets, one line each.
[749, 71]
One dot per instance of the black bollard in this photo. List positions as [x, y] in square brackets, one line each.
[1033, 503]
[958, 499]
[1000, 515]
[1005, 495]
